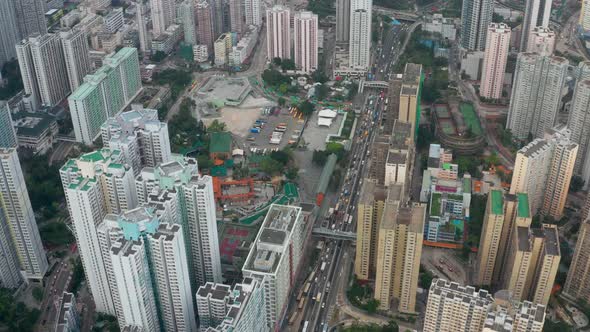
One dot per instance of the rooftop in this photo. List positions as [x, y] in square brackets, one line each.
[534, 147]
[412, 73]
[220, 142]
[522, 234]
[497, 202]
[551, 240]
[524, 210]
[32, 124]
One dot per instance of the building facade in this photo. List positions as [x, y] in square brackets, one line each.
[577, 284]
[359, 47]
[305, 37]
[75, 49]
[278, 33]
[490, 237]
[7, 132]
[536, 94]
[342, 21]
[476, 16]
[205, 35]
[541, 41]
[536, 15]
[494, 61]
[163, 15]
[186, 12]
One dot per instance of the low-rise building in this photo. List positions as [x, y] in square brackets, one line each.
[68, 318]
[35, 131]
[200, 53]
[439, 24]
[166, 41]
[222, 46]
[242, 51]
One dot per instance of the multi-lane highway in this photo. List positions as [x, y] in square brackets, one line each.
[318, 294]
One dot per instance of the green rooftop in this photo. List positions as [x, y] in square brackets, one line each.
[220, 142]
[497, 202]
[466, 185]
[93, 156]
[523, 206]
[435, 204]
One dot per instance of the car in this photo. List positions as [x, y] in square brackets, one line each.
[323, 305]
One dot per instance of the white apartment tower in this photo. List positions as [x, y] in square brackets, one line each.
[278, 33]
[275, 256]
[10, 276]
[75, 48]
[213, 301]
[536, 94]
[163, 14]
[133, 282]
[197, 206]
[140, 136]
[494, 61]
[10, 34]
[96, 184]
[144, 41]
[30, 17]
[44, 69]
[186, 13]
[541, 41]
[165, 251]
[536, 14]
[342, 21]
[305, 35]
[476, 16]
[579, 124]
[8, 137]
[14, 199]
[252, 12]
[359, 49]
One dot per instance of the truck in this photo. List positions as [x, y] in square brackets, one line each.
[323, 267]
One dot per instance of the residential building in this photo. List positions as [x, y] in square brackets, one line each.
[536, 94]
[584, 20]
[577, 285]
[278, 32]
[398, 254]
[252, 12]
[536, 14]
[490, 237]
[20, 217]
[43, 69]
[144, 41]
[133, 282]
[476, 16]
[409, 104]
[359, 48]
[237, 17]
[10, 272]
[30, 17]
[96, 184]
[186, 13]
[7, 132]
[541, 41]
[244, 48]
[213, 301]
[140, 136]
[113, 21]
[305, 36]
[369, 215]
[342, 21]
[75, 50]
[559, 177]
[197, 210]
[205, 36]
[36, 131]
[578, 122]
[452, 307]
[68, 317]
[494, 61]
[166, 41]
[200, 53]
[105, 93]
[222, 46]
[245, 309]
[10, 34]
[275, 258]
[471, 64]
[163, 15]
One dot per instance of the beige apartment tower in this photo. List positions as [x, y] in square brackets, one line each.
[560, 175]
[577, 284]
[398, 254]
[408, 99]
[369, 212]
[490, 237]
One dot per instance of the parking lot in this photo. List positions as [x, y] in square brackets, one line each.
[261, 140]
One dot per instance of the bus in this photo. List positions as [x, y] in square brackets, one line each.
[300, 294]
[306, 288]
[305, 326]
[318, 297]
[301, 304]
[293, 317]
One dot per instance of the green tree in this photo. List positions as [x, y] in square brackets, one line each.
[468, 165]
[283, 88]
[274, 77]
[288, 64]
[321, 91]
[55, 234]
[306, 107]
[281, 101]
[270, 166]
[216, 126]
[292, 173]
[158, 56]
[280, 156]
[276, 61]
[319, 76]
[425, 278]
[38, 294]
[335, 148]
[13, 81]
[204, 161]
[319, 157]
[372, 306]
[16, 316]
